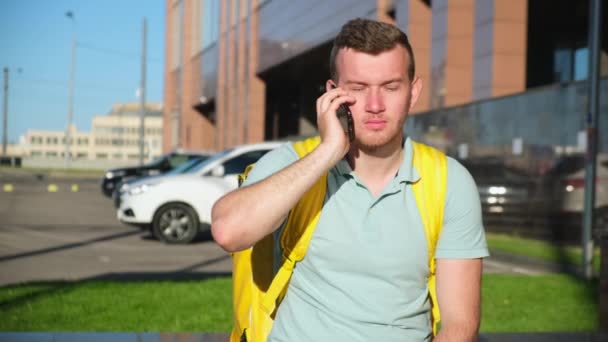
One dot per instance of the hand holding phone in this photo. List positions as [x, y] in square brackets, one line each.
[346, 120]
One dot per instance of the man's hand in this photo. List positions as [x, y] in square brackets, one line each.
[459, 297]
[333, 137]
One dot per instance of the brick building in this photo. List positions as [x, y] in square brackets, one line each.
[250, 70]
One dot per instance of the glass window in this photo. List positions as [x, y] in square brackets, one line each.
[581, 63]
[176, 160]
[36, 153]
[51, 154]
[211, 22]
[562, 67]
[101, 156]
[239, 163]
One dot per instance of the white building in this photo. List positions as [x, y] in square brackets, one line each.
[114, 138]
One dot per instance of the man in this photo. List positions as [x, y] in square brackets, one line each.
[364, 274]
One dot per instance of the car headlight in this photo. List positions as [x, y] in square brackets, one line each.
[123, 188]
[112, 174]
[140, 189]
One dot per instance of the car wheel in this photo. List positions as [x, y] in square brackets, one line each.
[175, 223]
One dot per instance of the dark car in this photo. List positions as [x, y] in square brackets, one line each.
[506, 193]
[163, 164]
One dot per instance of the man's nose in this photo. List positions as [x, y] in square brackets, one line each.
[374, 101]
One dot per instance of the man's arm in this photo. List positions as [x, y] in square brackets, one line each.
[459, 298]
[246, 215]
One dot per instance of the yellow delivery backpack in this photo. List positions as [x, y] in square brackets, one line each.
[257, 290]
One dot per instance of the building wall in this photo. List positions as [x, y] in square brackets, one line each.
[465, 50]
[117, 138]
[500, 48]
[114, 137]
[414, 17]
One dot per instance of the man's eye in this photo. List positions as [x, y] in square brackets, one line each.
[357, 89]
[392, 87]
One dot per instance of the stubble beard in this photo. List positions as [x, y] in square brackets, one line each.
[378, 141]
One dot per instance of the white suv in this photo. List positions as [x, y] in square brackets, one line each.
[177, 207]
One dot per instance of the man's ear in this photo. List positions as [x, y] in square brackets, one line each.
[330, 84]
[415, 91]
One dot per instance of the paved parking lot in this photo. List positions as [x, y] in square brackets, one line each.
[66, 234]
[65, 229]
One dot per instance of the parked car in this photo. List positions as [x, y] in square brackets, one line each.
[186, 167]
[165, 163]
[566, 181]
[177, 207]
[503, 189]
[548, 204]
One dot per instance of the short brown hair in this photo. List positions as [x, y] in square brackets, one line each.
[372, 37]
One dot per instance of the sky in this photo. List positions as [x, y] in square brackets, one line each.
[35, 43]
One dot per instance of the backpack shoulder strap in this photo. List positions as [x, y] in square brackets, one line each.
[301, 222]
[295, 239]
[256, 289]
[430, 192]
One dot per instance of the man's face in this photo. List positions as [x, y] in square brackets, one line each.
[383, 90]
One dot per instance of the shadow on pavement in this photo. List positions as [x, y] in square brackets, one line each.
[68, 246]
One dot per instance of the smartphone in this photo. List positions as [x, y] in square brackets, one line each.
[346, 119]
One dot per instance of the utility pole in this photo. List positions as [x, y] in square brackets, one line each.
[5, 112]
[142, 94]
[595, 10]
[68, 132]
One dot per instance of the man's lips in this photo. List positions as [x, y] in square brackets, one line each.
[375, 124]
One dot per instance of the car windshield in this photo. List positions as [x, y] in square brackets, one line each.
[187, 166]
[209, 160]
[156, 162]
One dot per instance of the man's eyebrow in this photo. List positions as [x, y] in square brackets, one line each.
[392, 80]
[355, 83]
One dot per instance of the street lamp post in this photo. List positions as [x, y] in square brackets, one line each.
[68, 132]
[5, 112]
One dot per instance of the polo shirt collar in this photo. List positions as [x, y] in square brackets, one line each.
[406, 173]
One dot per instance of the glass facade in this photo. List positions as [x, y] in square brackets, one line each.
[547, 119]
[526, 153]
[211, 22]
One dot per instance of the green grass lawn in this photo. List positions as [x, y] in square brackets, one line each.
[541, 250]
[510, 304]
[518, 303]
[118, 306]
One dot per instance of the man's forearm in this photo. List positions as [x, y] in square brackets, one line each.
[244, 216]
[457, 333]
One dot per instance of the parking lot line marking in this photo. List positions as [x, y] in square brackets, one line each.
[75, 188]
[52, 188]
[7, 188]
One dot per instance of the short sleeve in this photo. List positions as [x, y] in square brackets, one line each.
[462, 235]
[272, 162]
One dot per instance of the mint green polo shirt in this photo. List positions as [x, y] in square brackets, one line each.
[364, 277]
